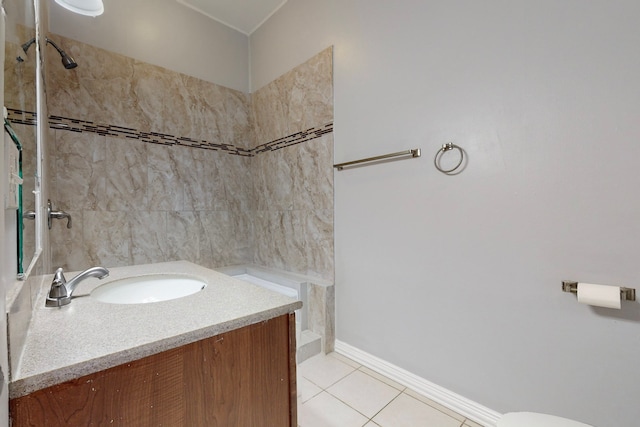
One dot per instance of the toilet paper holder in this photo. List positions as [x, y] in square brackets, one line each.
[626, 294]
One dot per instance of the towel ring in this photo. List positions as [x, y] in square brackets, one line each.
[447, 147]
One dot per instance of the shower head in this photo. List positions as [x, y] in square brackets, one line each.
[67, 61]
[27, 45]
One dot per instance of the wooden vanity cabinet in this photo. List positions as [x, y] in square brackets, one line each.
[241, 378]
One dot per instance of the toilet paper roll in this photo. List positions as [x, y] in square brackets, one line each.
[599, 295]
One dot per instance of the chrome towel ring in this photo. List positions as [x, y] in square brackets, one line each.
[448, 147]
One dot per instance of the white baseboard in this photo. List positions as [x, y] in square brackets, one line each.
[449, 399]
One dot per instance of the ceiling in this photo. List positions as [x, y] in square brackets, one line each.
[242, 15]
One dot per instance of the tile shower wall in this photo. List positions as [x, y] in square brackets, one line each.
[136, 202]
[293, 222]
[126, 169]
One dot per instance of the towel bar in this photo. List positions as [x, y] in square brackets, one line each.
[413, 153]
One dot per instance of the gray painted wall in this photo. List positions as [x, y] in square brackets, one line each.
[164, 33]
[457, 278]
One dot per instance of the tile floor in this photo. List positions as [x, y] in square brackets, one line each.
[334, 391]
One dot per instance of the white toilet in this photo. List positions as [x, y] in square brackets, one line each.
[531, 419]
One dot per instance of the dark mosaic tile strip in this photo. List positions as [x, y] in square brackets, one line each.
[294, 139]
[80, 126]
[21, 117]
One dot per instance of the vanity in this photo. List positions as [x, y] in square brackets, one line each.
[223, 356]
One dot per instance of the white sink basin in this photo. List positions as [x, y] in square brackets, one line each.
[145, 289]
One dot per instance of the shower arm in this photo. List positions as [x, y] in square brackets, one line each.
[60, 51]
[67, 61]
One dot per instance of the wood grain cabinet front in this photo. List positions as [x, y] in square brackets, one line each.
[242, 378]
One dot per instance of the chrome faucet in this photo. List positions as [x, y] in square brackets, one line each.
[61, 290]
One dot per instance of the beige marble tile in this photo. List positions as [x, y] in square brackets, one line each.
[269, 110]
[107, 238]
[215, 237]
[296, 101]
[199, 175]
[165, 186]
[184, 203]
[149, 242]
[274, 176]
[183, 236]
[216, 113]
[235, 174]
[67, 244]
[99, 89]
[319, 247]
[265, 227]
[80, 171]
[113, 89]
[161, 98]
[314, 174]
[321, 314]
[239, 250]
[310, 89]
[126, 175]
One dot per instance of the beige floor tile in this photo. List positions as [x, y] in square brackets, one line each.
[325, 410]
[406, 411]
[382, 378]
[323, 370]
[306, 389]
[371, 424]
[363, 393]
[469, 423]
[436, 405]
[345, 359]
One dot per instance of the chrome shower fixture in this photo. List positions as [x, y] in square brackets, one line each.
[28, 44]
[67, 60]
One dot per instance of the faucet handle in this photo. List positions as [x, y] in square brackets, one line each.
[59, 277]
[58, 290]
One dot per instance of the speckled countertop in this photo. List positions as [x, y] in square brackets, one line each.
[88, 336]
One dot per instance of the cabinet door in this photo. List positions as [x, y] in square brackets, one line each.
[242, 378]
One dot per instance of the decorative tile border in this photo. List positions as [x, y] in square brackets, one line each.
[21, 117]
[82, 126]
[296, 138]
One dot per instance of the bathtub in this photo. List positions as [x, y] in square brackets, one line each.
[281, 282]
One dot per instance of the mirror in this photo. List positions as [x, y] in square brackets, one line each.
[20, 100]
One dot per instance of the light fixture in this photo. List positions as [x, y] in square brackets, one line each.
[83, 7]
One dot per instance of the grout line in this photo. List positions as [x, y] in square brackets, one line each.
[402, 389]
[400, 393]
[385, 406]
